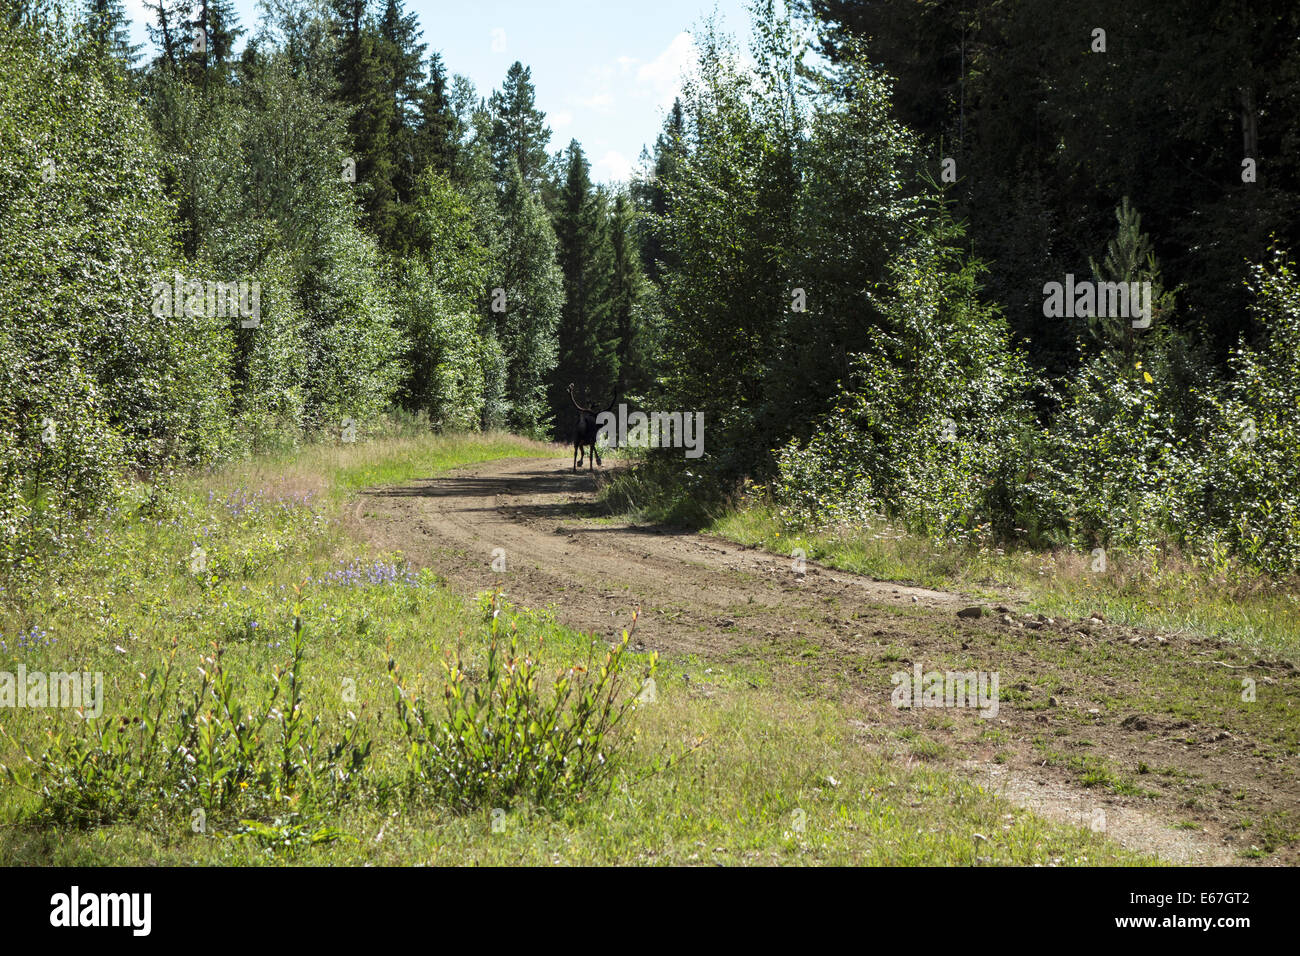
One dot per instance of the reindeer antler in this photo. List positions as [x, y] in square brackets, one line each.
[575, 400]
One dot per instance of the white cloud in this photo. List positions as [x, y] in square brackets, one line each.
[498, 40]
[560, 119]
[600, 102]
[136, 11]
[612, 166]
[661, 78]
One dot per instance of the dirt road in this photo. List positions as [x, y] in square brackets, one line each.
[1069, 740]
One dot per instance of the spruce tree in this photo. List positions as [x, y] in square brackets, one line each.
[532, 288]
[365, 88]
[627, 289]
[110, 31]
[585, 337]
[402, 55]
[435, 134]
[519, 131]
[652, 194]
[223, 32]
[167, 31]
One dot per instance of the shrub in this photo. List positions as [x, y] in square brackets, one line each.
[1246, 483]
[86, 227]
[933, 427]
[202, 748]
[506, 738]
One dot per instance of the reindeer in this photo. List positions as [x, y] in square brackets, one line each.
[585, 433]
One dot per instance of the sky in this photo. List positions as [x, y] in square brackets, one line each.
[605, 71]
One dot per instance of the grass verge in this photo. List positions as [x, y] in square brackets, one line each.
[253, 561]
[1161, 592]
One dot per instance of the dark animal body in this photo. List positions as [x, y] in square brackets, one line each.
[585, 432]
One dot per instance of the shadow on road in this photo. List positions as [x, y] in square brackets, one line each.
[537, 482]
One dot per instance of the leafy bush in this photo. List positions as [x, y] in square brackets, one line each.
[1108, 466]
[932, 430]
[505, 737]
[92, 382]
[1246, 482]
[446, 377]
[203, 748]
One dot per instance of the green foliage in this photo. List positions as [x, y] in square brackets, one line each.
[445, 353]
[586, 338]
[507, 737]
[632, 303]
[94, 383]
[728, 232]
[354, 345]
[525, 269]
[1103, 471]
[202, 748]
[780, 266]
[782, 209]
[1129, 258]
[444, 226]
[1247, 479]
[519, 133]
[363, 68]
[106, 23]
[1017, 88]
[856, 211]
[931, 430]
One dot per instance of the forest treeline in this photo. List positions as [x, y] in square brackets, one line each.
[840, 259]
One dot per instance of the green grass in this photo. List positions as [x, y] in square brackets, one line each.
[1169, 594]
[405, 460]
[758, 773]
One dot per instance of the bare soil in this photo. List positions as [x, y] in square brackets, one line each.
[1137, 733]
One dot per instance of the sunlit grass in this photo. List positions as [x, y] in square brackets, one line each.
[1171, 594]
[756, 772]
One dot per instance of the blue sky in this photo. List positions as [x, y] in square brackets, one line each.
[605, 72]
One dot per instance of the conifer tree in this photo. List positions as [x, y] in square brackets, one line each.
[585, 338]
[110, 31]
[435, 136]
[402, 56]
[519, 131]
[365, 88]
[531, 295]
[167, 30]
[627, 291]
[651, 192]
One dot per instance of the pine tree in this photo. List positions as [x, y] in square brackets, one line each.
[365, 87]
[1129, 258]
[110, 32]
[519, 131]
[586, 339]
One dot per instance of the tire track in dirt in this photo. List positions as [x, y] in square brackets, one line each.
[698, 595]
[725, 602]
